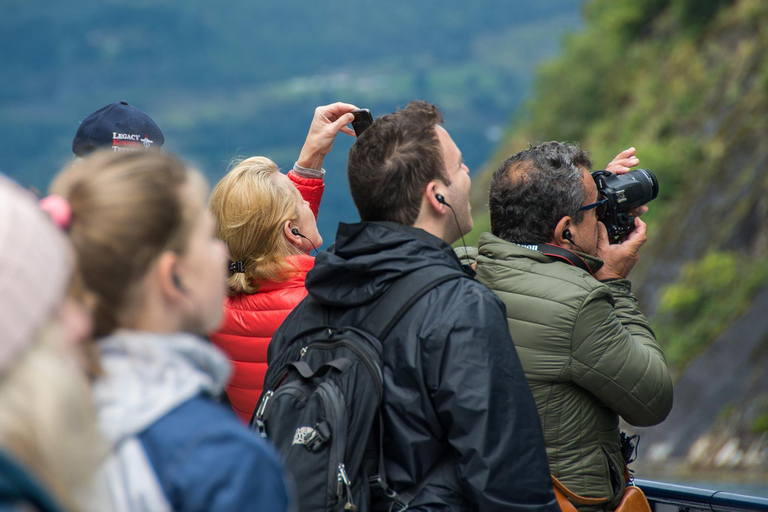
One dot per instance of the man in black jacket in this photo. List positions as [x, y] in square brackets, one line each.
[452, 381]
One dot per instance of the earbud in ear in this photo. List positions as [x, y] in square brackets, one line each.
[441, 199]
[296, 232]
[177, 283]
[567, 235]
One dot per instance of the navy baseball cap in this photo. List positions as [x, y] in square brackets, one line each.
[119, 126]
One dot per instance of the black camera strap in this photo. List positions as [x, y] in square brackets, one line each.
[553, 251]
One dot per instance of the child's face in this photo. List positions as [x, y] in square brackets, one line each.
[202, 271]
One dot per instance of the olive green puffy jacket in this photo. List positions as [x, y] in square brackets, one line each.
[589, 356]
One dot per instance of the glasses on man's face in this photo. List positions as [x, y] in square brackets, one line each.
[599, 207]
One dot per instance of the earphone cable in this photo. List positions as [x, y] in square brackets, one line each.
[310, 242]
[456, 218]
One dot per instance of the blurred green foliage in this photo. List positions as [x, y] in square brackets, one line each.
[760, 421]
[760, 424]
[707, 297]
[482, 224]
[632, 76]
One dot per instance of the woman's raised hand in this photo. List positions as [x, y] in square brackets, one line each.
[328, 121]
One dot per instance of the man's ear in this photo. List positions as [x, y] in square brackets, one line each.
[563, 225]
[434, 188]
[166, 276]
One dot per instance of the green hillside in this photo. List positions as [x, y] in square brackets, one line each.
[686, 83]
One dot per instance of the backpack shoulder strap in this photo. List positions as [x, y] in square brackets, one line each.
[399, 298]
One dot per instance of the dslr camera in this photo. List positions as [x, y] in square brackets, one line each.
[622, 193]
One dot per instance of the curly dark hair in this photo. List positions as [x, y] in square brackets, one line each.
[535, 188]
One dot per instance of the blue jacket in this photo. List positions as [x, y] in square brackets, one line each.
[215, 465]
[174, 447]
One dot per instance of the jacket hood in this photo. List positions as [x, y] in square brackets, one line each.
[368, 257]
[146, 375]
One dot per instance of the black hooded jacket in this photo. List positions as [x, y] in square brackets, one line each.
[452, 379]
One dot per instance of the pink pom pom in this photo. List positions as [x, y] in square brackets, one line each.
[58, 209]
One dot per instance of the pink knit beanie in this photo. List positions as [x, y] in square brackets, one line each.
[36, 262]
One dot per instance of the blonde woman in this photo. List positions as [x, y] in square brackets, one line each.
[267, 220]
[49, 445]
[146, 249]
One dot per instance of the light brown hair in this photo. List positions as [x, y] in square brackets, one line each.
[127, 209]
[392, 162]
[250, 208]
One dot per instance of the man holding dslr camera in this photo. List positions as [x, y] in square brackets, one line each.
[588, 352]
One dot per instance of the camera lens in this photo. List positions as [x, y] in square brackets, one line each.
[649, 183]
[632, 189]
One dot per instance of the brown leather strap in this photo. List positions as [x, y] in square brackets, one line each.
[581, 500]
[634, 500]
[563, 503]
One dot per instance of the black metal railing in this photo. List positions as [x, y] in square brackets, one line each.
[666, 497]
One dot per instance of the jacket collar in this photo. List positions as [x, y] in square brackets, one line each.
[368, 257]
[148, 374]
[302, 263]
[347, 235]
[491, 244]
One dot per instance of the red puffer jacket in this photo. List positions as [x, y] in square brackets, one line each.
[251, 320]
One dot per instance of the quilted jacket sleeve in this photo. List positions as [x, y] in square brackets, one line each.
[311, 189]
[615, 356]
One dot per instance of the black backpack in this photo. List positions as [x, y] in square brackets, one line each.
[320, 405]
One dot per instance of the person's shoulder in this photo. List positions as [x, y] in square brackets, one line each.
[186, 422]
[221, 437]
[469, 288]
[564, 278]
[201, 452]
[460, 300]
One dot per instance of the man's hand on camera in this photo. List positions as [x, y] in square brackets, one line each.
[623, 162]
[619, 259]
[328, 121]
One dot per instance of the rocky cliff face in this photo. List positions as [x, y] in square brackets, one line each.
[721, 399]
[723, 204]
[721, 395]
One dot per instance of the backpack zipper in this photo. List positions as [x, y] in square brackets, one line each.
[263, 406]
[337, 410]
[343, 483]
[261, 429]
